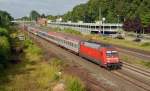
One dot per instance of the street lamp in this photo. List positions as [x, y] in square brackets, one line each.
[103, 19]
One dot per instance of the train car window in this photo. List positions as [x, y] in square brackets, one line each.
[56, 39]
[52, 37]
[64, 42]
[74, 45]
[70, 43]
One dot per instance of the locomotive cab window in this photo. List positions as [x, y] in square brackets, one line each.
[111, 53]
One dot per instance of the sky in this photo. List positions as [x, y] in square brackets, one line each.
[20, 8]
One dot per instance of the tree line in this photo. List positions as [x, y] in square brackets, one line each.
[131, 13]
[122, 11]
[5, 22]
[34, 15]
[4, 48]
[5, 19]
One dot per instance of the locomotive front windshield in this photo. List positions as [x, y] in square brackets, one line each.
[111, 53]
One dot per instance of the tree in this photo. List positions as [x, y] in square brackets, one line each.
[51, 17]
[5, 19]
[109, 9]
[43, 16]
[145, 17]
[128, 25]
[34, 15]
[4, 48]
[133, 25]
[137, 25]
[147, 29]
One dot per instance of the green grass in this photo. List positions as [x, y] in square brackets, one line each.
[146, 64]
[67, 30]
[71, 31]
[145, 44]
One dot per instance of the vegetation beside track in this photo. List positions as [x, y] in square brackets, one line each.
[4, 48]
[68, 30]
[34, 73]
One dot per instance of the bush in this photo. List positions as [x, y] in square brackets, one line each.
[145, 44]
[147, 64]
[33, 53]
[74, 84]
[137, 40]
[71, 31]
[27, 43]
[3, 32]
[4, 51]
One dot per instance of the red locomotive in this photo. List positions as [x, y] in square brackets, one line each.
[105, 56]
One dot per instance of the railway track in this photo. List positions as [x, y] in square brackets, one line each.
[137, 69]
[132, 80]
[136, 82]
[146, 57]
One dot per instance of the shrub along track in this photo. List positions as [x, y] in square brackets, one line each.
[104, 79]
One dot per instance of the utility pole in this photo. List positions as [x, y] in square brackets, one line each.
[118, 23]
[103, 24]
[100, 15]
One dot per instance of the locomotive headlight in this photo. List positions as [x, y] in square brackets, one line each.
[108, 61]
